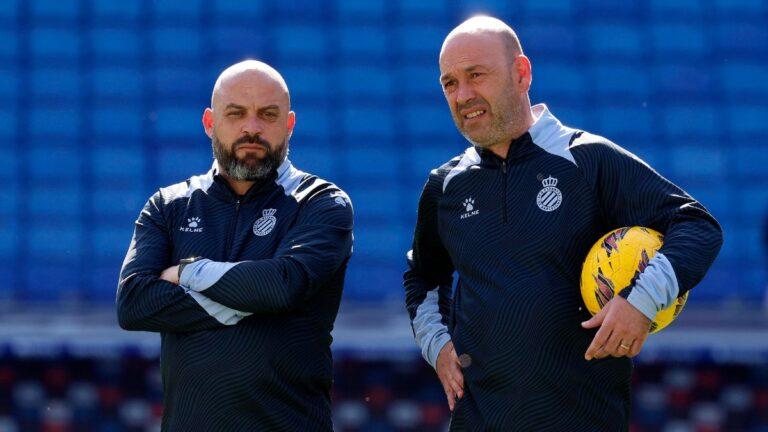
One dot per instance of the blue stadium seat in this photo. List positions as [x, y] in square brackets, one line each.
[740, 8]
[116, 162]
[619, 120]
[40, 290]
[316, 158]
[122, 124]
[698, 162]
[570, 115]
[110, 242]
[119, 204]
[118, 82]
[56, 203]
[559, 79]
[619, 81]
[177, 10]
[115, 11]
[691, 120]
[102, 279]
[428, 119]
[678, 9]
[314, 122]
[60, 11]
[679, 40]
[236, 9]
[611, 39]
[375, 202]
[753, 201]
[371, 279]
[365, 81]
[10, 10]
[715, 195]
[363, 44]
[58, 43]
[420, 41]
[355, 10]
[10, 204]
[60, 239]
[387, 242]
[549, 41]
[629, 9]
[549, 9]
[425, 157]
[116, 43]
[361, 122]
[750, 161]
[673, 81]
[420, 80]
[742, 37]
[423, 10]
[744, 80]
[177, 42]
[748, 119]
[176, 122]
[178, 164]
[9, 47]
[234, 42]
[9, 84]
[68, 163]
[8, 124]
[301, 43]
[9, 160]
[180, 82]
[308, 81]
[56, 82]
[370, 162]
[10, 238]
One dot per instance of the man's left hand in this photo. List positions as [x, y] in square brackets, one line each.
[171, 274]
[623, 330]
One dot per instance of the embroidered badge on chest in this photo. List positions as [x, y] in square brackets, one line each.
[266, 223]
[549, 198]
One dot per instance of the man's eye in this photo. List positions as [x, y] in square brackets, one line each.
[235, 114]
[448, 84]
[475, 74]
[270, 114]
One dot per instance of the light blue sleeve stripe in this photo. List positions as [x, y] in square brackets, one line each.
[201, 275]
[221, 313]
[656, 288]
[431, 334]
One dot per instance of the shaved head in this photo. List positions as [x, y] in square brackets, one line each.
[480, 25]
[254, 71]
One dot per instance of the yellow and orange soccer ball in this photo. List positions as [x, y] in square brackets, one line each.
[614, 263]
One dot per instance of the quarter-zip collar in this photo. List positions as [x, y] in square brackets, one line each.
[222, 190]
[545, 125]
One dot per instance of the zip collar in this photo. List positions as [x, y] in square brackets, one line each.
[222, 190]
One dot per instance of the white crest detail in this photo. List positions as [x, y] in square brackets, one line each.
[550, 197]
[266, 223]
[469, 207]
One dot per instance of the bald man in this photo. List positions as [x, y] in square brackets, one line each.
[515, 216]
[241, 271]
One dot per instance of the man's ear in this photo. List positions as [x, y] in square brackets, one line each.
[291, 122]
[208, 122]
[522, 67]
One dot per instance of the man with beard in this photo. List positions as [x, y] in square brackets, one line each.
[515, 216]
[241, 272]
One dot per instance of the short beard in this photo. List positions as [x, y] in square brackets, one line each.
[507, 117]
[250, 168]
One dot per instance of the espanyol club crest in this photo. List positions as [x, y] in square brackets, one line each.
[550, 197]
[266, 223]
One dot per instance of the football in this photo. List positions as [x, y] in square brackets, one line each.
[615, 262]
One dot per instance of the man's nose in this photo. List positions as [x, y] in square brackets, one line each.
[252, 126]
[464, 94]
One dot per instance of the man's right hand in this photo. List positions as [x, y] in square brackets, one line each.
[449, 371]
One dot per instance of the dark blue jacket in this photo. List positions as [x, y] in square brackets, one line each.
[516, 231]
[246, 335]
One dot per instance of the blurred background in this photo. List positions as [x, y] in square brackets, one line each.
[102, 102]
